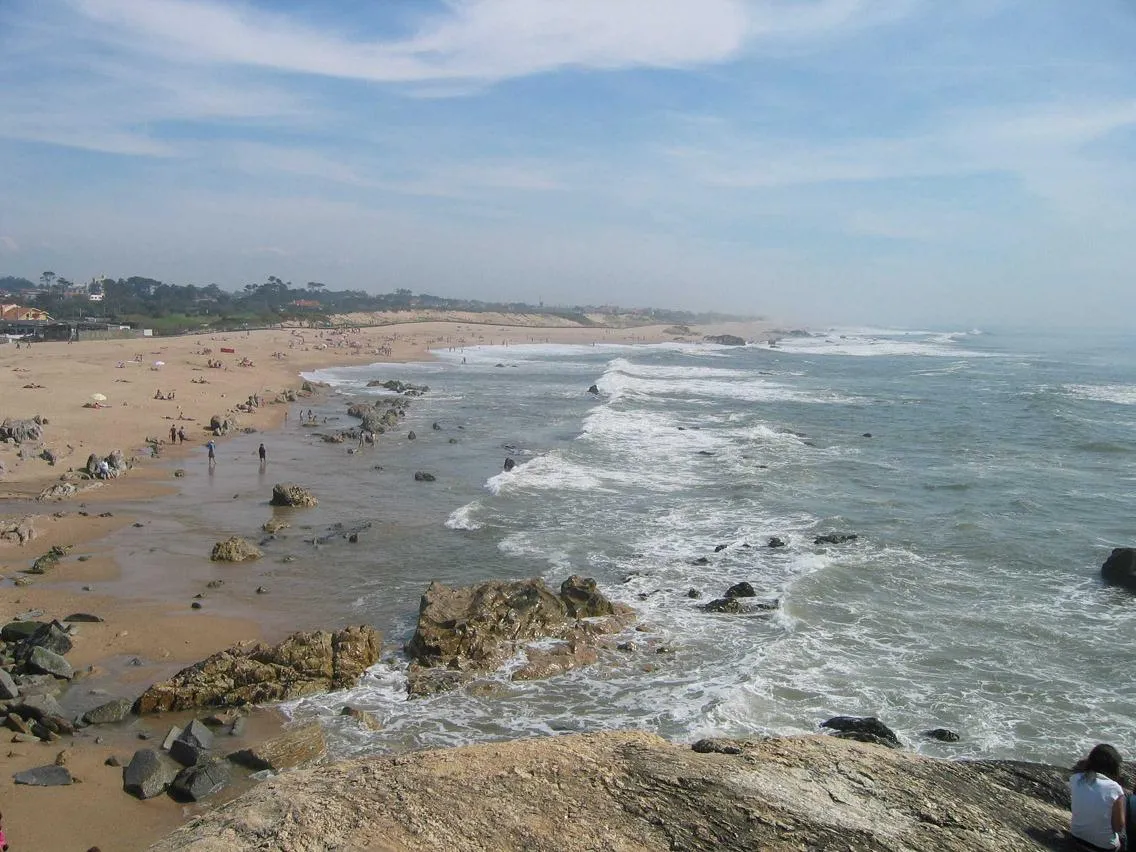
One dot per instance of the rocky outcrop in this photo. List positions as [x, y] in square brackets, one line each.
[22, 431]
[291, 494]
[235, 549]
[117, 464]
[725, 339]
[476, 628]
[635, 791]
[18, 530]
[255, 673]
[1120, 568]
[222, 424]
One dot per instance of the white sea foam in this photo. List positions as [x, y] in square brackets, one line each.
[463, 518]
[1119, 394]
[867, 342]
[552, 470]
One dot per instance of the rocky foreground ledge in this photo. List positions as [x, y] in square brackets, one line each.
[635, 791]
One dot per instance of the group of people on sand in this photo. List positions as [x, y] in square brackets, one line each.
[1102, 811]
[159, 395]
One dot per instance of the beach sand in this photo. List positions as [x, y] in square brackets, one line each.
[152, 621]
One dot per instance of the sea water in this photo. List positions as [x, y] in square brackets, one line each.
[985, 475]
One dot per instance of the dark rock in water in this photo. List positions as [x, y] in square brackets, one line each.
[83, 617]
[693, 593]
[594, 389]
[582, 599]
[943, 735]
[731, 606]
[195, 605]
[863, 728]
[777, 541]
[410, 436]
[705, 453]
[1120, 568]
[255, 673]
[866, 435]
[423, 476]
[509, 465]
[701, 560]
[835, 538]
[291, 494]
[437, 427]
[148, 774]
[741, 590]
[192, 744]
[199, 782]
[725, 339]
[44, 776]
[720, 547]
[112, 711]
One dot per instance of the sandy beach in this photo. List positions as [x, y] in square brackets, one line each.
[151, 385]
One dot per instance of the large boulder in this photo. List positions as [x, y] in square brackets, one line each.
[199, 782]
[476, 628]
[17, 530]
[21, 431]
[256, 673]
[1120, 568]
[222, 424]
[636, 791]
[114, 710]
[867, 729]
[235, 549]
[295, 746]
[43, 661]
[291, 494]
[148, 774]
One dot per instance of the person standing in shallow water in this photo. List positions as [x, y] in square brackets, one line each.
[263, 453]
[212, 448]
[1097, 801]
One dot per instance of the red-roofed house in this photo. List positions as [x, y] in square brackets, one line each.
[15, 313]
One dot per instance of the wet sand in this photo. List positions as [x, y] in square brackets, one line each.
[149, 630]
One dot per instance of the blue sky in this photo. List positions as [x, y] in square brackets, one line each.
[871, 161]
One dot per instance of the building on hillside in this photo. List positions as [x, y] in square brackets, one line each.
[16, 313]
[306, 304]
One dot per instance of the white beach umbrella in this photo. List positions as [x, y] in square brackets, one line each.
[98, 397]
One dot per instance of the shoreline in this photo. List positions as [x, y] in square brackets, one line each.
[151, 621]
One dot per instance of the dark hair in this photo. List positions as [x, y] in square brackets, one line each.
[1103, 760]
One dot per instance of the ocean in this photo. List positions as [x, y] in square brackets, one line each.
[986, 476]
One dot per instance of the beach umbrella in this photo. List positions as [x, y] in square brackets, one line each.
[98, 397]
[159, 363]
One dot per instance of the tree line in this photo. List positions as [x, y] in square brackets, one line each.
[171, 308]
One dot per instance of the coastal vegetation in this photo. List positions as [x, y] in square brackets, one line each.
[175, 308]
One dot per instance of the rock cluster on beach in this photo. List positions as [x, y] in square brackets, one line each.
[291, 494]
[636, 791]
[466, 631]
[255, 673]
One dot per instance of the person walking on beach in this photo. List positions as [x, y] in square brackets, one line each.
[181, 435]
[263, 453]
[212, 448]
[173, 435]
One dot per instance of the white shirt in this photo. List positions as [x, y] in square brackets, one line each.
[1092, 808]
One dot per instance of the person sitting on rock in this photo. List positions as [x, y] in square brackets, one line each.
[1097, 801]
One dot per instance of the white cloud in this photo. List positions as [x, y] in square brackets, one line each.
[484, 40]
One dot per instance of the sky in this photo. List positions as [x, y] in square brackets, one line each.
[888, 162]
